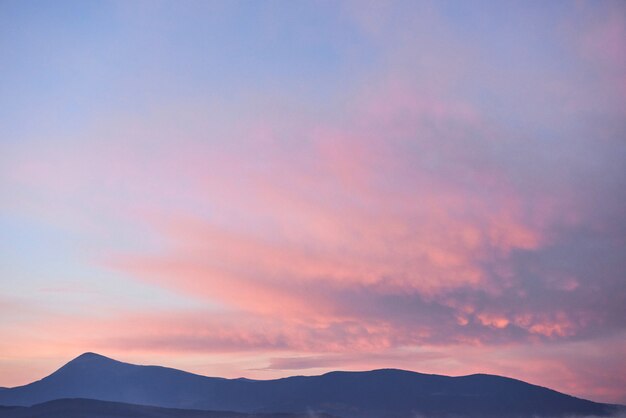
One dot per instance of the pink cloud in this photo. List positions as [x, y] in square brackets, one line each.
[412, 218]
[352, 219]
[276, 347]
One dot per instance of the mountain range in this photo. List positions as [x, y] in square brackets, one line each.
[83, 408]
[386, 393]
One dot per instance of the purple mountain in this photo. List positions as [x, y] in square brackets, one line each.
[386, 393]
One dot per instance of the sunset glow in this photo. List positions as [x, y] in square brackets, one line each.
[264, 189]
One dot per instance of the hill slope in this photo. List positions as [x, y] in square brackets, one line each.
[80, 408]
[378, 394]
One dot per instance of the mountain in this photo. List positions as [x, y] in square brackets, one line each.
[80, 408]
[386, 393]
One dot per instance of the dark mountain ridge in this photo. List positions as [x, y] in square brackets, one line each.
[386, 393]
[80, 408]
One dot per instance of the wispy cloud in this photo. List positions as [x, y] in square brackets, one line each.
[396, 188]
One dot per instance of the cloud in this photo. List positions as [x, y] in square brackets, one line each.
[462, 198]
[387, 221]
[360, 360]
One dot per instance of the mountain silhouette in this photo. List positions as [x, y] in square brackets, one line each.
[386, 393]
[81, 408]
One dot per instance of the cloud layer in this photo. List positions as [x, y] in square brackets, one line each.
[410, 192]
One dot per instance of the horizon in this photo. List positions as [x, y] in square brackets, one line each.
[263, 189]
[95, 378]
[93, 354]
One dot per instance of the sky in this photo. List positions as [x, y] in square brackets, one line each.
[273, 188]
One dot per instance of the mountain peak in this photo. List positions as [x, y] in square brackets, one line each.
[89, 361]
[89, 356]
[87, 364]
